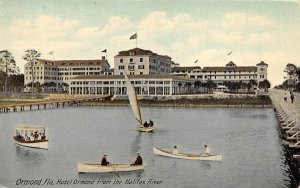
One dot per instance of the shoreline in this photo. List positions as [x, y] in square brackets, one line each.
[193, 101]
[249, 102]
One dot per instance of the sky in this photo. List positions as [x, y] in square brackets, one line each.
[186, 30]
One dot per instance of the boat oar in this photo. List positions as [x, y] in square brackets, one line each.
[113, 167]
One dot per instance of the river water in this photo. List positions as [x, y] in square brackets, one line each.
[253, 155]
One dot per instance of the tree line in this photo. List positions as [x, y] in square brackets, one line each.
[10, 78]
[292, 78]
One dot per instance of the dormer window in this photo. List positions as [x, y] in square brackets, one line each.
[131, 53]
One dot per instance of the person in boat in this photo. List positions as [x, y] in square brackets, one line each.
[104, 161]
[35, 135]
[175, 150]
[138, 161]
[27, 137]
[43, 137]
[151, 123]
[19, 136]
[206, 150]
[145, 124]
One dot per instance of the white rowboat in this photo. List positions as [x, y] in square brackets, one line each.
[98, 168]
[212, 157]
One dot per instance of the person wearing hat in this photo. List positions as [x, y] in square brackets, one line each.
[104, 161]
[206, 150]
[138, 161]
[175, 150]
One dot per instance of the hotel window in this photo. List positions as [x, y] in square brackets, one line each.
[121, 67]
[141, 66]
[121, 60]
[261, 69]
[131, 67]
[141, 59]
[130, 60]
[141, 72]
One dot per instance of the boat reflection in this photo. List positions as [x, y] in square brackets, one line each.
[28, 153]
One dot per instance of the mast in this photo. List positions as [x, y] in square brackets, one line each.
[133, 100]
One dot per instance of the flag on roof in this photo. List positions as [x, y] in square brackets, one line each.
[134, 36]
[104, 50]
[229, 53]
[196, 61]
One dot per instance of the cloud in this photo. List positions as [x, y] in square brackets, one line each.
[43, 27]
[242, 20]
[187, 38]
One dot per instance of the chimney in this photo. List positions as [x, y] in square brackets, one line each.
[103, 58]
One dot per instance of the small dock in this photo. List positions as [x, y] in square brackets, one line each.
[287, 113]
[50, 104]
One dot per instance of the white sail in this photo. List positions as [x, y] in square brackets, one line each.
[133, 100]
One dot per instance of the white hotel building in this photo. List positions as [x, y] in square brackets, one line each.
[152, 74]
[139, 61]
[148, 71]
[147, 84]
[61, 71]
[230, 72]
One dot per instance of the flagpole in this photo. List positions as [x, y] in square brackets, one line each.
[106, 55]
[136, 42]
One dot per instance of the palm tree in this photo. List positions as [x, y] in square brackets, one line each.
[265, 84]
[210, 85]
[197, 84]
[8, 63]
[179, 85]
[253, 83]
[31, 56]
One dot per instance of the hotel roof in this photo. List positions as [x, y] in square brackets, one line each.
[68, 63]
[262, 63]
[175, 69]
[139, 51]
[232, 69]
[143, 76]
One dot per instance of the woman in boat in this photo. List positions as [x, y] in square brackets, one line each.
[104, 161]
[27, 137]
[138, 161]
[206, 150]
[175, 150]
[150, 123]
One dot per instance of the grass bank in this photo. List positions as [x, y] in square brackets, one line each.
[244, 102]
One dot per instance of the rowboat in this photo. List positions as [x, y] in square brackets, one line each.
[136, 107]
[211, 157]
[98, 168]
[36, 140]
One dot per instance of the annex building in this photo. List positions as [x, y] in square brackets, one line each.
[61, 71]
[219, 75]
[150, 84]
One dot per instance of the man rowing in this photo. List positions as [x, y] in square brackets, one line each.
[104, 161]
[138, 161]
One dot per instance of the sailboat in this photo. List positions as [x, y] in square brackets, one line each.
[135, 107]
